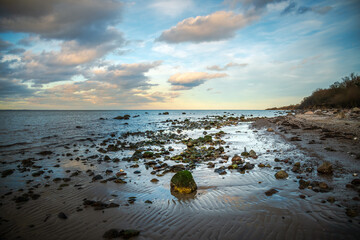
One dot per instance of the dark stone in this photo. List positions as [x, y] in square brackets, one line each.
[112, 233]
[356, 182]
[351, 212]
[128, 233]
[325, 168]
[44, 153]
[7, 172]
[271, 192]
[220, 171]
[62, 215]
[97, 177]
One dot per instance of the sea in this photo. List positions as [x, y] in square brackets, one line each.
[36, 129]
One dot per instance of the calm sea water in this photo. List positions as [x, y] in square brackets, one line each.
[40, 129]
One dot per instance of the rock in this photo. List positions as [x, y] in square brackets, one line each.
[125, 117]
[245, 154]
[7, 172]
[356, 110]
[128, 233]
[351, 212]
[148, 155]
[234, 166]
[270, 130]
[303, 184]
[261, 165]
[281, 175]
[302, 196]
[271, 192]
[252, 154]
[295, 139]
[211, 165]
[249, 166]
[220, 170]
[154, 180]
[38, 173]
[97, 177]
[44, 153]
[296, 167]
[325, 168]
[331, 199]
[62, 215]
[119, 181]
[137, 172]
[356, 182]
[323, 186]
[237, 159]
[183, 182]
[190, 144]
[309, 113]
[112, 233]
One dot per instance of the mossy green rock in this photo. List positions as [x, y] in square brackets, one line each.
[281, 174]
[183, 182]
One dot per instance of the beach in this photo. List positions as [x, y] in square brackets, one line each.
[77, 175]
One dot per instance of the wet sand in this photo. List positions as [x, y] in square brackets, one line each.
[229, 206]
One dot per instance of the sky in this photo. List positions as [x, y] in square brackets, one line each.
[173, 54]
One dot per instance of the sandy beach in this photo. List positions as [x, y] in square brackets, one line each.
[122, 181]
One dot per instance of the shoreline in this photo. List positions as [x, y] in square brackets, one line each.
[228, 204]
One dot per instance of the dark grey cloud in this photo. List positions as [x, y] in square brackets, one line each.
[86, 21]
[13, 89]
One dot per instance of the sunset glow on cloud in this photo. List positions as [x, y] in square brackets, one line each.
[226, 54]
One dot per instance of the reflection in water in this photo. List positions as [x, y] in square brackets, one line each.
[184, 197]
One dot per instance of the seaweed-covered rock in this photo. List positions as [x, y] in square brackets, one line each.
[325, 168]
[148, 155]
[183, 182]
[281, 174]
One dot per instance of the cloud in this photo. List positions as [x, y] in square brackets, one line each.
[14, 89]
[290, 8]
[125, 76]
[256, 4]
[304, 9]
[86, 21]
[214, 27]
[172, 8]
[189, 80]
[5, 45]
[227, 66]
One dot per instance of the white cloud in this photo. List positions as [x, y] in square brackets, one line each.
[189, 80]
[214, 27]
